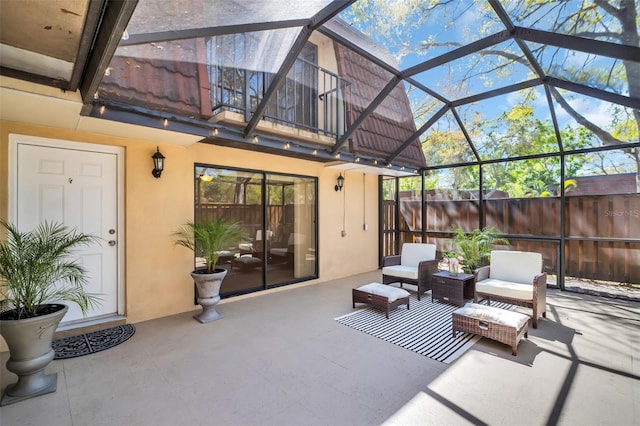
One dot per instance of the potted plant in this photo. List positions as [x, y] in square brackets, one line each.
[208, 239]
[475, 248]
[37, 272]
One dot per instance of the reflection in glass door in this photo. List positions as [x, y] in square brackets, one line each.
[278, 214]
[291, 215]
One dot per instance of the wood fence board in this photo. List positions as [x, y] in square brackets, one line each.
[607, 216]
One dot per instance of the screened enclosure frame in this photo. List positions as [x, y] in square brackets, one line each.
[117, 14]
[424, 234]
[535, 46]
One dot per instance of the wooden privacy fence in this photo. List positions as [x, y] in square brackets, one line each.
[602, 233]
[249, 216]
[280, 219]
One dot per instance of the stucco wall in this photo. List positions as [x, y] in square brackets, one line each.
[157, 281]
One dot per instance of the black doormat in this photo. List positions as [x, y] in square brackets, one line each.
[88, 343]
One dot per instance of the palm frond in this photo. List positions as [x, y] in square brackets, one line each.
[208, 238]
[38, 267]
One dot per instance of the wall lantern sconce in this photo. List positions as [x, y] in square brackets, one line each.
[340, 183]
[158, 163]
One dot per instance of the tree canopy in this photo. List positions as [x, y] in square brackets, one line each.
[520, 123]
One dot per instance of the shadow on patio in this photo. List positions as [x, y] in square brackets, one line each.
[279, 358]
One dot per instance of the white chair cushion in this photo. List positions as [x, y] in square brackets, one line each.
[246, 246]
[279, 251]
[401, 271]
[505, 289]
[515, 266]
[495, 315]
[391, 293]
[259, 235]
[414, 253]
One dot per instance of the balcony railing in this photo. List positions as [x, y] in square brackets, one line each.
[311, 97]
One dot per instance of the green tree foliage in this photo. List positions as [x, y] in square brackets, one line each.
[392, 24]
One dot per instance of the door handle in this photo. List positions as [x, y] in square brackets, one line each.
[112, 243]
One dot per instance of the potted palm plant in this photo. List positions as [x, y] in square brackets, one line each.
[37, 273]
[208, 239]
[475, 248]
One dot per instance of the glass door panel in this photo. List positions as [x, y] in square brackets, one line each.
[291, 215]
[278, 214]
[235, 196]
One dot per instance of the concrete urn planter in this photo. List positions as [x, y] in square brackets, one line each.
[29, 341]
[208, 286]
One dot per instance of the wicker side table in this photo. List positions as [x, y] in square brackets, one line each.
[453, 289]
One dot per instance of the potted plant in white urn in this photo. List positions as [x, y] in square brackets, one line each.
[37, 273]
[208, 239]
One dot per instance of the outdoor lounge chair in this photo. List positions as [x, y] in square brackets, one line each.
[286, 253]
[415, 265]
[514, 277]
[255, 247]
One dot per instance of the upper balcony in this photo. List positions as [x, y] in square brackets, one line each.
[228, 88]
[311, 104]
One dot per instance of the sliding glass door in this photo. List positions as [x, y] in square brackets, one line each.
[278, 213]
[291, 215]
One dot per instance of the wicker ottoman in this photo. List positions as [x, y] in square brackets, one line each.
[380, 296]
[497, 324]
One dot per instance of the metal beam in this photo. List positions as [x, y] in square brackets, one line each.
[466, 134]
[554, 119]
[424, 88]
[622, 146]
[317, 20]
[458, 53]
[497, 92]
[595, 47]
[357, 49]
[288, 62]
[502, 14]
[506, 20]
[163, 36]
[419, 132]
[221, 134]
[370, 108]
[614, 98]
[35, 78]
[114, 21]
[329, 11]
[91, 26]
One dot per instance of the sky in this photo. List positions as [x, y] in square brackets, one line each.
[459, 25]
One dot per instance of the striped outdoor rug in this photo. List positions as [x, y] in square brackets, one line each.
[425, 328]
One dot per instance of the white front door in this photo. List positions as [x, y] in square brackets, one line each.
[77, 185]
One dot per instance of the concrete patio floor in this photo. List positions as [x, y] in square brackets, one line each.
[279, 358]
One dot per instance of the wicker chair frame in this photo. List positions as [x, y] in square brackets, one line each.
[538, 303]
[380, 302]
[426, 269]
[491, 330]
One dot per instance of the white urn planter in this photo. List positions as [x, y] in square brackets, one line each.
[29, 341]
[208, 287]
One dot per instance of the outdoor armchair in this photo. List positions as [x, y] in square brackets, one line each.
[286, 253]
[415, 265]
[514, 277]
[255, 247]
